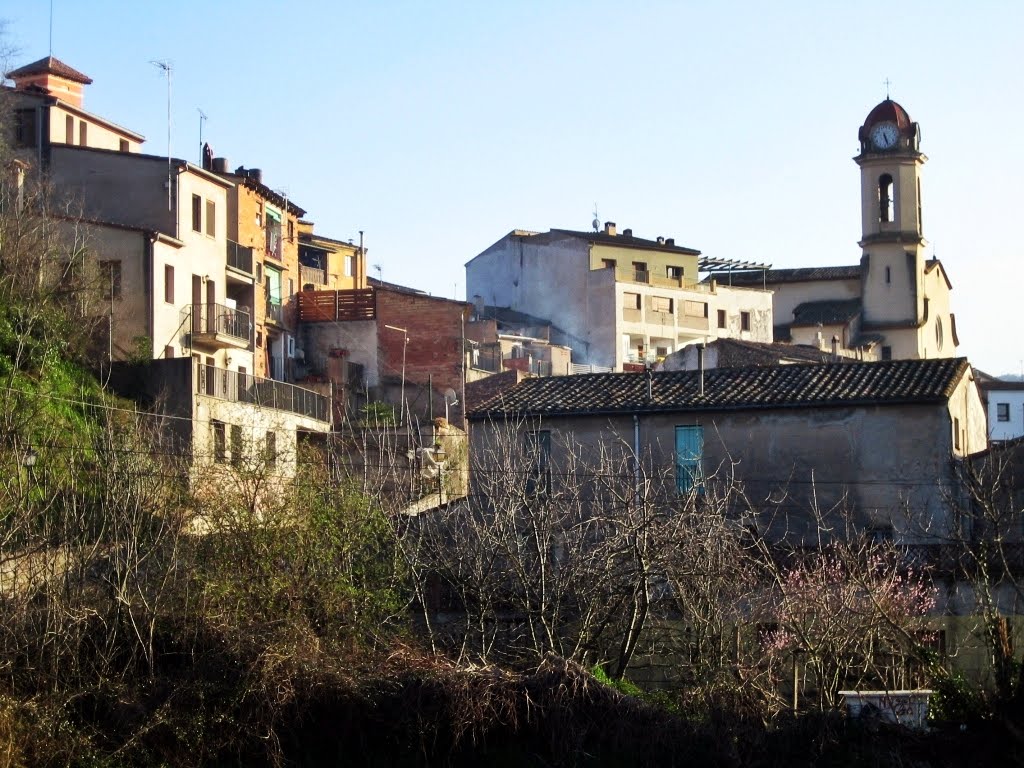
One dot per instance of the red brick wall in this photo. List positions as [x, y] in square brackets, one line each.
[435, 339]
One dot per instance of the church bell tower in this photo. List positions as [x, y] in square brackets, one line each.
[892, 238]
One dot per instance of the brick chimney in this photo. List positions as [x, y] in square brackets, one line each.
[609, 228]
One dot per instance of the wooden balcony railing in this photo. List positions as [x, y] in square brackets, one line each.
[333, 306]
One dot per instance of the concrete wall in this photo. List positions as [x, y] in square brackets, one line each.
[1014, 400]
[97, 134]
[562, 280]
[787, 296]
[891, 464]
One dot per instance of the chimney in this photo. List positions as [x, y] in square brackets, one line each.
[650, 384]
[700, 366]
[835, 349]
[670, 242]
[609, 228]
[627, 233]
[661, 240]
[220, 165]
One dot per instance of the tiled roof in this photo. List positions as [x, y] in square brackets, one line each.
[626, 241]
[832, 312]
[736, 353]
[48, 64]
[798, 275]
[785, 386]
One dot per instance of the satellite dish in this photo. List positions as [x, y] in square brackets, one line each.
[596, 223]
[450, 397]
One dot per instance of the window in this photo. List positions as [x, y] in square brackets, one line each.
[608, 263]
[271, 449]
[640, 271]
[1002, 411]
[695, 308]
[236, 444]
[168, 352]
[888, 274]
[83, 133]
[887, 353]
[291, 287]
[291, 231]
[956, 433]
[674, 273]
[211, 218]
[631, 301]
[124, 145]
[721, 318]
[197, 213]
[689, 451]
[273, 234]
[348, 266]
[220, 450]
[69, 130]
[537, 450]
[938, 333]
[110, 279]
[886, 210]
[661, 304]
[744, 321]
[169, 283]
[25, 128]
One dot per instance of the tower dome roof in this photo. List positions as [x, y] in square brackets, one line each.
[889, 112]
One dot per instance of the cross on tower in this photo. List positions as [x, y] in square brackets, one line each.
[887, 84]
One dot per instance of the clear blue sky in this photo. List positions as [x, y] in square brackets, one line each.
[437, 127]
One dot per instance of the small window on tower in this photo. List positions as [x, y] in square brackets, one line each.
[888, 275]
[886, 210]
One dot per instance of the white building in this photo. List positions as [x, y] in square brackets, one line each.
[619, 299]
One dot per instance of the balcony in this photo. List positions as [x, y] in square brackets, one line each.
[645, 277]
[275, 313]
[312, 276]
[487, 360]
[266, 393]
[216, 326]
[332, 306]
[240, 258]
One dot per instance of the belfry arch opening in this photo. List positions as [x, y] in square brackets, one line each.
[886, 202]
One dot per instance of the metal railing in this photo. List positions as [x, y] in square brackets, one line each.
[584, 368]
[275, 313]
[245, 388]
[211, 319]
[240, 257]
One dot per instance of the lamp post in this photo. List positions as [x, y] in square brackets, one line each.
[405, 344]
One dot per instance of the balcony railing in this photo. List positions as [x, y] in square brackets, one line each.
[331, 306]
[312, 275]
[275, 313]
[240, 257]
[219, 320]
[645, 277]
[495, 363]
[245, 388]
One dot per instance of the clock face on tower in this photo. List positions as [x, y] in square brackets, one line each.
[884, 136]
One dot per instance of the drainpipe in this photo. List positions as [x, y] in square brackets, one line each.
[147, 276]
[636, 458]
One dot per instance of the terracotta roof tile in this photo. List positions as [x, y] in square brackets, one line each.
[48, 64]
[784, 386]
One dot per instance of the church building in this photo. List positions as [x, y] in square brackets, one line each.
[895, 303]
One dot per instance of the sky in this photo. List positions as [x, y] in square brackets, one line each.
[438, 127]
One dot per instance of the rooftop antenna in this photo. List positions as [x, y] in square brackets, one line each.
[887, 84]
[596, 223]
[51, 27]
[380, 272]
[202, 119]
[165, 66]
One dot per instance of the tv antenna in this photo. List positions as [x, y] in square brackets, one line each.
[596, 223]
[380, 272]
[166, 67]
[202, 119]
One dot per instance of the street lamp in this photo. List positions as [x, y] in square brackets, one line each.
[405, 336]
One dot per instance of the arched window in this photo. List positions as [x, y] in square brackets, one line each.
[886, 210]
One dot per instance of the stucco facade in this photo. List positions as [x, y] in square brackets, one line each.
[888, 459]
[618, 299]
